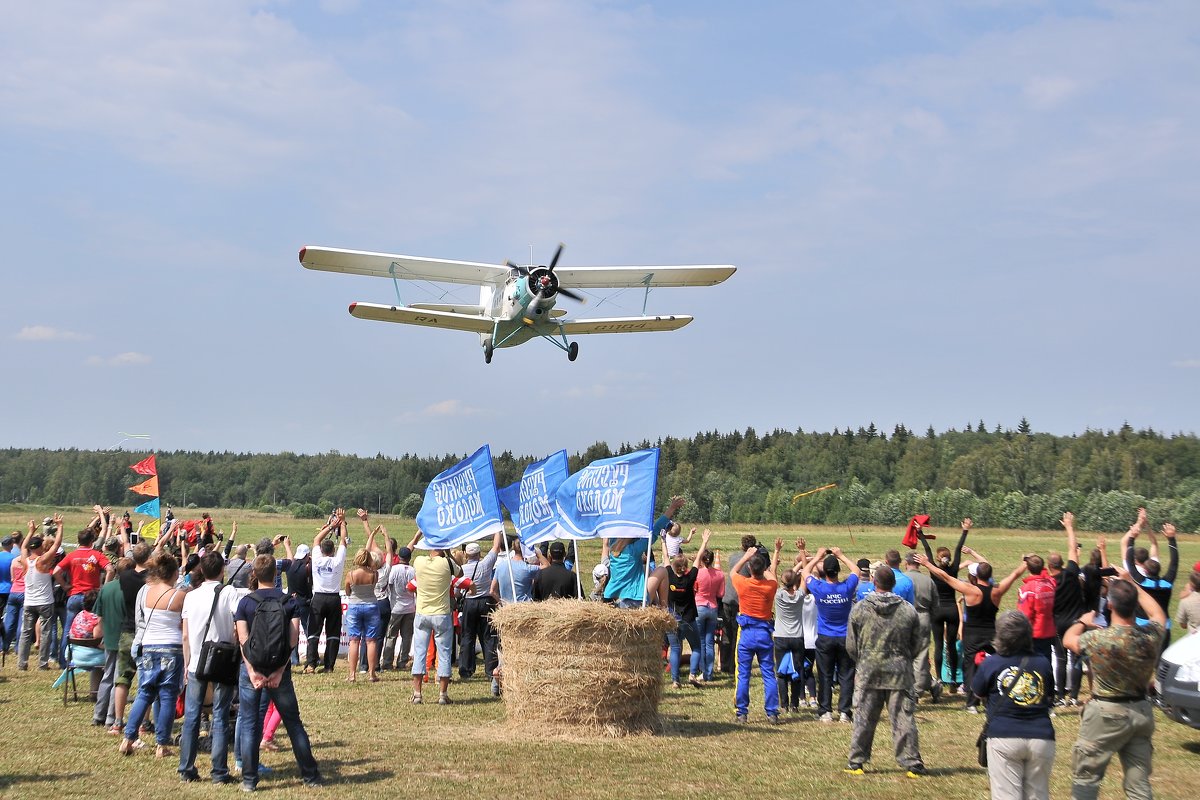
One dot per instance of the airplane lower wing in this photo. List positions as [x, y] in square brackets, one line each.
[405, 268]
[577, 327]
[425, 317]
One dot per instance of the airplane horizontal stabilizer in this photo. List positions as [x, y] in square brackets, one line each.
[424, 317]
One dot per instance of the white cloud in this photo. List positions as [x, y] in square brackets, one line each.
[45, 333]
[130, 359]
[1187, 363]
[1046, 92]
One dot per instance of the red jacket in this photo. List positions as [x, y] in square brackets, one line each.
[1035, 599]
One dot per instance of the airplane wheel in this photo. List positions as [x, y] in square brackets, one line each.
[573, 351]
[487, 354]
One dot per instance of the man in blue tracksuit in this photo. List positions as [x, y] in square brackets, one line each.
[756, 595]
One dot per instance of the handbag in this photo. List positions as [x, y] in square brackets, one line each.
[981, 745]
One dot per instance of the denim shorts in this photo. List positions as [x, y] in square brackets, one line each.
[362, 620]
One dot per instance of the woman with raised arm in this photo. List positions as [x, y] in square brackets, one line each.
[362, 611]
[710, 591]
[681, 594]
[158, 652]
[981, 603]
[39, 554]
[944, 614]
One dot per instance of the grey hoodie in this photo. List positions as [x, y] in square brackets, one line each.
[883, 637]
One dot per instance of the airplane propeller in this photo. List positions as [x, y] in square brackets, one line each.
[540, 287]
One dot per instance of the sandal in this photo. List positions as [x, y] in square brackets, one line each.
[416, 699]
[126, 747]
[162, 751]
[269, 745]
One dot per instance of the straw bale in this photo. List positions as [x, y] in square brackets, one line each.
[583, 667]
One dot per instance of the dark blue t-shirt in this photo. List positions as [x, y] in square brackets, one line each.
[834, 601]
[1019, 693]
[248, 605]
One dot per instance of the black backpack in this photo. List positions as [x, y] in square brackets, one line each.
[270, 644]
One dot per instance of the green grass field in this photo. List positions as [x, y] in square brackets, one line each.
[370, 741]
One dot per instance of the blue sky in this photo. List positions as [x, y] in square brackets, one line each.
[940, 212]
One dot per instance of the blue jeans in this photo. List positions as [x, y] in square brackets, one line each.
[74, 606]
[755, 641]
[250, 726]
[304, 614]
[675, 638]
[190, 740]
[441, 628]
[160, 672]
[706, 628]
[12, 619]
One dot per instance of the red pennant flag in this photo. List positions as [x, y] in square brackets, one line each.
[147, 487]
[145, 467]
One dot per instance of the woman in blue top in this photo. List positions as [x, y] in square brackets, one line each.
[1018, 687]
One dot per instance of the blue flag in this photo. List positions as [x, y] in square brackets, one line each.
[612, 498]
[149, 508]
[533, 514]
[461, 504]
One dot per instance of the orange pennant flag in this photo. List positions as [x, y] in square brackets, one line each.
[145, 467]
[147, 487]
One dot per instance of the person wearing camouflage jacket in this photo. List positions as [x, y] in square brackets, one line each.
[883, 636]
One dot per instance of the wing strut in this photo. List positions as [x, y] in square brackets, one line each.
[646, 300]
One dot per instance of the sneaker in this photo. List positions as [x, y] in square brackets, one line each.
[676, 685]
[826, 717]
[854, 769]
[935, 693]
[843, 717]
[248, 787]
[495, 688]
[444, 700]
[917, 771]
[189, 777]
[741, 719]
[972, 709]
[416, 699]
[696, 681]
[221, 780]
[314, 783]
[813, 704]
[1060, 702]
[1074, 701]
[773, 719]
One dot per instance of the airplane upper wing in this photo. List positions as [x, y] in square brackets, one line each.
[405, 268]
[576, 327]
[626, 277]
[420, 316]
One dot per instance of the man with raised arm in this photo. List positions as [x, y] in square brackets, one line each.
[834, 599]
[327, 599]
[1149, 575]
[757, 598]
[1068, 606]
[1119, 720]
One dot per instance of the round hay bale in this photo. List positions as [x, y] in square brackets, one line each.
[582, 666]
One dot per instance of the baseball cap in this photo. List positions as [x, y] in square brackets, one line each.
[831, 565]
[404, 553]
[557, 549]
[863, 563]
[301, 551]
[6, 541]
[473, 549]
[973, 570]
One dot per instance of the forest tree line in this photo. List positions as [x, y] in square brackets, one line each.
[1001, 478]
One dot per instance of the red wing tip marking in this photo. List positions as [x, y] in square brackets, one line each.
[303, 250]
[352, 305]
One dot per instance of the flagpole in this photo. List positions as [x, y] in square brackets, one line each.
[578, 570]
[511, 580]
[646, 584]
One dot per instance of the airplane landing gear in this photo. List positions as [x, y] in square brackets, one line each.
[573, 351]
[487, 353]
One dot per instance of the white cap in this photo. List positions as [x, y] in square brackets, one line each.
[301, 551]
[473, 549]
[973, 569]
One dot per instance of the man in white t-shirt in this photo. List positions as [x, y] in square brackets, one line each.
[201, 615]
[328, 562]
[404, 611]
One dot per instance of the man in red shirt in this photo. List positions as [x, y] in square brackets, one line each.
[1035, 599]
[80, 572]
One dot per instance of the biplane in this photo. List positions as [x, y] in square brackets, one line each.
[516, 303]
